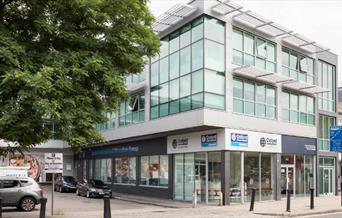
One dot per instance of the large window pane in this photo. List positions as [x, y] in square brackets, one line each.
[197, 82]
[197, 29]
[261, 48]
[154, 74]
[249, 91]
[260, 93]
[197, 101]
[214, 29]
[185, 37]
[185, 61]
[237, 88]
[174, 42]
[163, 110]
[197, 55]
[164, 47]
[270, 96]
[214, 55]
[214, 101]
[174, 65]
[185, 104]
[214, 82]
[164, 70]
[237, 39]
[164, 93]
[174, 89]
[125, 170]
[249, 43]
[185, 85]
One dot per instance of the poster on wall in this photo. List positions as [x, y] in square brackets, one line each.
[32, 162]
[53, 163]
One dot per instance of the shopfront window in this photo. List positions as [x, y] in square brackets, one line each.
[190, 58]
[267, 177]
[154, 170]
[326, 175]
[214, 175]
[125, 170]
[103, 170]
[251, 175]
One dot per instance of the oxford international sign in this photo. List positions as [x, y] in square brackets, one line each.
[336, 138]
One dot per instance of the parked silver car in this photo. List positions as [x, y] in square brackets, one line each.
[21, 192]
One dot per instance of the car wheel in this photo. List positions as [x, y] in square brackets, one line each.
[77, 192]
[88, 194]
[27, 204]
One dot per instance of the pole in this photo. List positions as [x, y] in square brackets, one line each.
[288, 204]
[194, 199]
[341, 193]
[312, 198]
[42, 208]
[106, 207]
[251, 208]
[53, 183]
[0, 207]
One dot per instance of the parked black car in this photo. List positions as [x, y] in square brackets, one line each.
[93, 188]
[21, 192]
[65, 183]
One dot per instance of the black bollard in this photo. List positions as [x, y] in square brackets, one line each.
[288, 204]
[251, 208]
[107, 213]
[312, 203]
[42, 208]
[341, 193]
[0, 207]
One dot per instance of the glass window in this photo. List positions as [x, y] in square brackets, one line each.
[185, 104]
[154, 170]
[248, 43]
[164, 70]
[214, 82]
[164, 47]
[174, 89]
[237, 88]
[174, 65]
[326, 79]
[185, 61]
[164, 110]
[185, 37]
[185, 85]
[261, 48]
[197, 29]
[197, 55]
[197, 101]
[214, 56]
[197, 82]
[164, 93]
[135, 106]
[237, 39]
[249, 91]
[214, 101]
[214, 29]
[125, 170]
[174, 42]
[154, 74]
[103, 169]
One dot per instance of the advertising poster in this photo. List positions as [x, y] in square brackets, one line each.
[32, 162]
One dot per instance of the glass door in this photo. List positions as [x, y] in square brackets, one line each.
[328, 181]
[201, 176]
[286, 179]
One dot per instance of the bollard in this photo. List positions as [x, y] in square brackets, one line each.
[220, 195]
[341, 193]
[107, 213]
[194, 199]
[312, 203]
[288, 204]
[42, 208]
[0, 207]
[251, 208]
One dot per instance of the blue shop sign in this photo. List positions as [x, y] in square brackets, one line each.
[209, 140]
[115, 150]
[336, 138]
[239, 140]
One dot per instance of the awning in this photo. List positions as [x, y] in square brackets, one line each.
[287, 82]
[172, 16]
[259, 74]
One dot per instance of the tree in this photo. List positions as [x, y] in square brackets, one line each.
[65, 60]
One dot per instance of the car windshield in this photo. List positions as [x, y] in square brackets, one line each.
[98, 183]
[69, 179]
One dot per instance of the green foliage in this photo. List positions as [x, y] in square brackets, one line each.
[65, 60]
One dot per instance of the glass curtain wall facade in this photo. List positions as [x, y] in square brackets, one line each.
[298, 108]
[197, 172]
[249, 49]
[326, 78]
[298, 66]
[189, 72]
[325, 122]
[133, 110]
[254, 99]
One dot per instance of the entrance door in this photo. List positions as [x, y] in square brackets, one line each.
[327, 181]
[200, 176]
[286, 179]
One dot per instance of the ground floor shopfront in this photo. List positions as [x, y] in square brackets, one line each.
[208, 163]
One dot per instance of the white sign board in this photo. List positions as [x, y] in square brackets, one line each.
[241, 140]
[14, 171]
[212, 140]
[53, 163]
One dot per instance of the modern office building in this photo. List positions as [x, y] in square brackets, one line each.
[233, 102]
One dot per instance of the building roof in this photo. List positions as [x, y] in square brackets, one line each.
[245, 17]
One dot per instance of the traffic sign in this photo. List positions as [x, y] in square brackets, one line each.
[336, 138]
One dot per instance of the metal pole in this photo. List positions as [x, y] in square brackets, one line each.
[194, 199]
[0, 207]
[341, 193]
[107, 213]
[288, 204]
[42, 208]
[53, 191]
[251, 208]
[312, 198]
